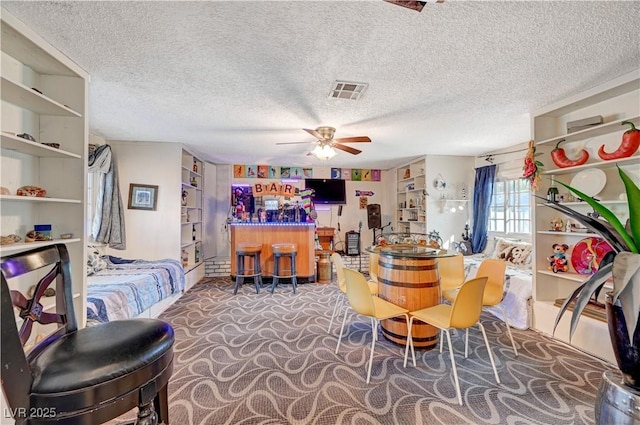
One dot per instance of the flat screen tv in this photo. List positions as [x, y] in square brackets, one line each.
[327, 191]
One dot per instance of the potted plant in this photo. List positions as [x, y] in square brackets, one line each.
[623, 265]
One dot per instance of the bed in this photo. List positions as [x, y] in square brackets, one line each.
[120, 289]
[518, 296]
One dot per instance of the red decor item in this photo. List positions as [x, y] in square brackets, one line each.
[31, 191]
[588, 254]
[629, 145]
[532, 167]
[559, 157]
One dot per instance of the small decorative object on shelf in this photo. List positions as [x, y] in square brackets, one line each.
[558, 261]
[194, 182]
[557, 225]
[629, 146]
[9, 239]
[33, 191]
[185, 258]
[588, 255]
[193, 232]
[559, 157]
[407, 173]
[552, 193]
[185, 196]
[195, 166]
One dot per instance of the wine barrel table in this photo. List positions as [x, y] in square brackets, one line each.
[408, 277]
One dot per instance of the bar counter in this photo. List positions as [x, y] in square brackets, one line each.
[301, 234]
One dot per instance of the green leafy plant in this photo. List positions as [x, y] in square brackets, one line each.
[625, 241]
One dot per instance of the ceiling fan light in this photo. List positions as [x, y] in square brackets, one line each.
[323, 151]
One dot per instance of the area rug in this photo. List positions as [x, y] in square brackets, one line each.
[269, 359]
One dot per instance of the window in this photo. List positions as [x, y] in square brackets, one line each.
[510, 210]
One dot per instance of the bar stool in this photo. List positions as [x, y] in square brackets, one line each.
[281, 250]
[251, 250]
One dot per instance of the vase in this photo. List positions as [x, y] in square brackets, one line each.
[626, 352]
[625, 347]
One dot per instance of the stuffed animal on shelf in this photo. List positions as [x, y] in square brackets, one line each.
[558, 261]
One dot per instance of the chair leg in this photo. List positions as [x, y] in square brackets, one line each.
[341, 331]
[373, 346]
[409, 342]
[441, 340]
[453, 366]
[147, 415]
[161, 403]
[506, 322]
[466, 343]
[333, 315]
[374, 327]
[486, 342]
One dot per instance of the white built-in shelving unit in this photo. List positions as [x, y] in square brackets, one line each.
[617, 101]
[44, 95]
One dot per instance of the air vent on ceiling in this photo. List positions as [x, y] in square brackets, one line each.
[347, 90]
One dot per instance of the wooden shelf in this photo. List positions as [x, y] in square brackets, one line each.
[15, 143]
[602, 164]
[30, 99]
[22, 246]
[17, 198]
[594, 131]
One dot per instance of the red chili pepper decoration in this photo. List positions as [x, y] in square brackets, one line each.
[559, 157]
[629, 145]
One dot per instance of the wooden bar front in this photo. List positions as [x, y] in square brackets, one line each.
[301, 234]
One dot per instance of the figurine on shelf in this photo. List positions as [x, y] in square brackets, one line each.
[558, 261]
[557, 225]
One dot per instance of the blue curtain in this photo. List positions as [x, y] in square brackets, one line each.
[483, 190]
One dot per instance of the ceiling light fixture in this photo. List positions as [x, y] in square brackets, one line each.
[323, 151]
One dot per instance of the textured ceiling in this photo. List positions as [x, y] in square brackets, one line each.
[232, 79]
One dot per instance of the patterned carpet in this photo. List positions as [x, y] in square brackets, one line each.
[268, 359]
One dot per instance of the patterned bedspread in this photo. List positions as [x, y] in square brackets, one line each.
[518, 288]
[127, 288]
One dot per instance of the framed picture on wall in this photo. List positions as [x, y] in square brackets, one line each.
[143, 197]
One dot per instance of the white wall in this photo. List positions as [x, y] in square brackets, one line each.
[210, 208]
[151, 235]
[458, 172]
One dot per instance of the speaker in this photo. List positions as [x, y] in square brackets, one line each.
[353, 243]
[339, 210]
[374, 219]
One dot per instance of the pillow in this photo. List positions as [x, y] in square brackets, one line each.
[517, 253]
[95, 262]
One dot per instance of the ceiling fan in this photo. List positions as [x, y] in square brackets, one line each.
[326, 143]
[414, 5]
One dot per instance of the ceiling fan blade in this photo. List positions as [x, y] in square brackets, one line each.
[313, 133]
[360, 139]
[346, 148]
[294, 143]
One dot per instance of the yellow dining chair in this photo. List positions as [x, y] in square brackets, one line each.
[462, 314]
[451, 272]
[373, 268]
[364, 303]
[336, 259]
[495, 270]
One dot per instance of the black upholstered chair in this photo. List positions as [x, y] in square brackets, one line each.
[76, 376]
